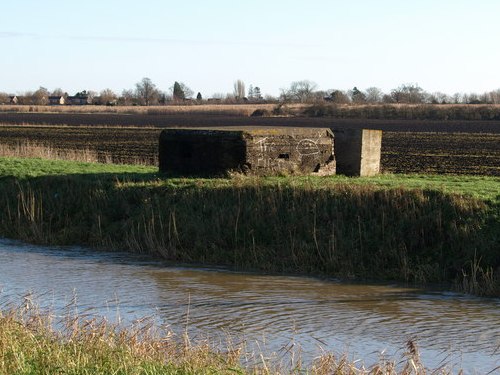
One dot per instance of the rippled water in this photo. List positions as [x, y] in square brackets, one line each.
[273, 311]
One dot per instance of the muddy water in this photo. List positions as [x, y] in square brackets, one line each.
[269, 312]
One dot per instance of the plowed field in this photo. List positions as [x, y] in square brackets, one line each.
[408, 146]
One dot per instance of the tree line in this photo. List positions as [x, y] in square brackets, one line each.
[408, 93]
[146, 93]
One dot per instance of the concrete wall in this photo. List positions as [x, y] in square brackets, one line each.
[200, 152]
[358, 151]
[290, 150]
[253, 151]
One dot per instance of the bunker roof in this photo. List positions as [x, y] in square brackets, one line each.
[260, 131]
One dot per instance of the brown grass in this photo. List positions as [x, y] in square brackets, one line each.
[197, 109]
[86, 344]
[28, 149]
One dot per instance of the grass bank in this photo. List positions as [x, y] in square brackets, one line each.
[412, 228]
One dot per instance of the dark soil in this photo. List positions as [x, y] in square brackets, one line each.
[408, 146]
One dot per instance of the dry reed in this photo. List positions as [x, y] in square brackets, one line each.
[208, 109]
[29, 149]
[33, 340]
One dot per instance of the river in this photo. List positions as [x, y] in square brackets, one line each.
[269, 312]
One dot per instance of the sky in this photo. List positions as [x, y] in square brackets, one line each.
[441, 45]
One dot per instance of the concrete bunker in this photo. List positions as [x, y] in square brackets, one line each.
[357, 151]
[252, 151]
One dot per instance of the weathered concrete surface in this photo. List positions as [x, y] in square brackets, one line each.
[358, 151]
[253, 151]
[200, 152]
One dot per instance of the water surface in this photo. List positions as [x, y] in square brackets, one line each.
[269, 312]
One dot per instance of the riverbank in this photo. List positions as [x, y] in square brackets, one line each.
[392, 227]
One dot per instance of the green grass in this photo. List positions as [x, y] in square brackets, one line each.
[24, 168]
[482, 187]
[418, 228]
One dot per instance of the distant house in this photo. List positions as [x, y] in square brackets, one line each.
[56, 100]
[78, 100]
[14, 99]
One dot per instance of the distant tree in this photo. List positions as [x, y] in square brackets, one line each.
[250, 92]
[388, 98]
[269, 98]
[4, 98]
[128, 97]
[409, 93]
[81, 94]
[40, 97]
[188, 93]
[163, 97]
[357, 96]
[218, 95]
[495, 96]
[57, 92]
[398, 95]
[26, 98]
[439, 98]
[146, 92]
[199, 97]
[257, 93]
[457, 98]
[178, 92]
[485, 98]
[301, 91]
[107, 97]
[92, 94]
[473, 98]
[339, 97]
[239, 89]
[374, 95]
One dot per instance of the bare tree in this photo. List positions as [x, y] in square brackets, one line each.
[301, 91]
[439, 98]
[4, 98]
[40, 96]
[408, 93]
[127, 98]
[250, 92]
[146, 92]
[239, 89]
[107, 97]
[495, 96]
[57, 92]
[457, 98]
[374, 95]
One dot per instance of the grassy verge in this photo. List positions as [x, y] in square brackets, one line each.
[412, 228]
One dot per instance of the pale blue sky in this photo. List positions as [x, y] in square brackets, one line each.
[443, 45]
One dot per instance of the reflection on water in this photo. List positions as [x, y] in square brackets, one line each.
[362, 320]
